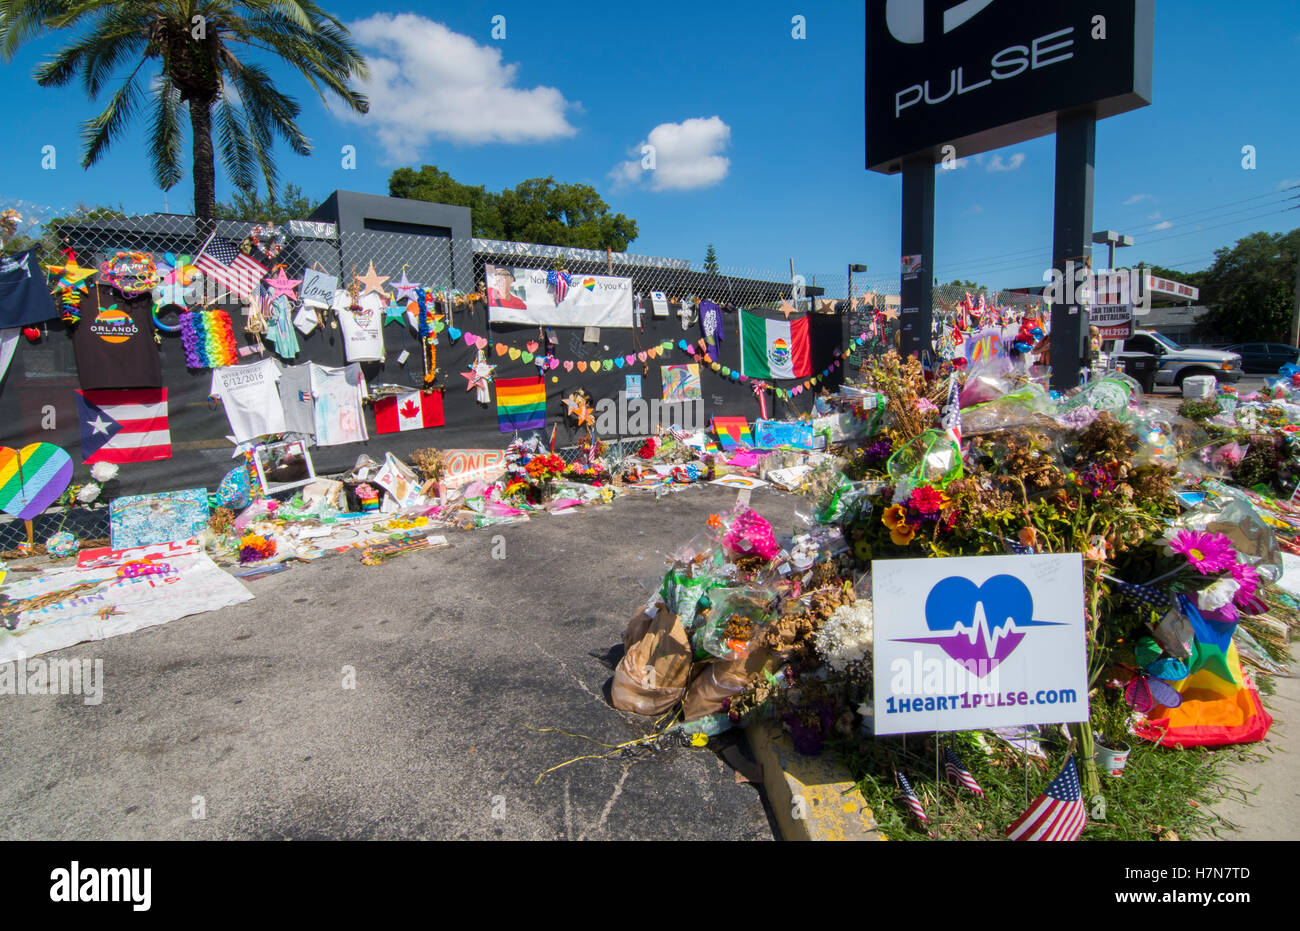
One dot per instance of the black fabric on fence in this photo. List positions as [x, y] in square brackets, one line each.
[38, 397]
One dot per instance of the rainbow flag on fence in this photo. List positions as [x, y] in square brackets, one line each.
[521, 404]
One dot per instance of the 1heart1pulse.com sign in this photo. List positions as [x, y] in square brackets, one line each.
[982, 74]
[978, 642]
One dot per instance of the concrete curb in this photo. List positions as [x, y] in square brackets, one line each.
[829, 808]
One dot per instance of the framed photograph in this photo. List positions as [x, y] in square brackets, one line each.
[283, 465]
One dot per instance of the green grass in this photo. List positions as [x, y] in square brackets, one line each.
[1162, 790]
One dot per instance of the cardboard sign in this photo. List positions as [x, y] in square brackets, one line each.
[317, 288]
[977, 642]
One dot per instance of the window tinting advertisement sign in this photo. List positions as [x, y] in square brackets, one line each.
[976, 642]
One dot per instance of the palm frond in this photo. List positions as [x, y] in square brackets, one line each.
[22, 20]
[165, 140]
[235, 155]
[99, 133]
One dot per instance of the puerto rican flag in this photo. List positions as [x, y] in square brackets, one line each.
[413, 411]
[124, 425]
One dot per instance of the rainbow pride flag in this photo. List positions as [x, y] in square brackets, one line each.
[521, 404]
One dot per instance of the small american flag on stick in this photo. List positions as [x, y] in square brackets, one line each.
[957, 770]
[222, 261]
[1058, 813]
[913, 802]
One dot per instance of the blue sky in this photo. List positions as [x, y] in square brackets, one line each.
[759, 135]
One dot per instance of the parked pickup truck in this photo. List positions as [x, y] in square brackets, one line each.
[1174, 363]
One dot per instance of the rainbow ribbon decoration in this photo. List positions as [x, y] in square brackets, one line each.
[209, 339]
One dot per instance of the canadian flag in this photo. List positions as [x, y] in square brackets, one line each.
[413, 411]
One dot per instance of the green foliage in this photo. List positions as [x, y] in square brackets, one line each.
[1199, 410]
[47, 238]
[292, 204]
[711, 261]
[176, 57]
[1250, 288]
[1162, 790]
[539, 210]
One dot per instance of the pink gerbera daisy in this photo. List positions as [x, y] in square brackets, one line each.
[1207, 553]
[1248, 579]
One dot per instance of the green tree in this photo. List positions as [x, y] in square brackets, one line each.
[196, 48]
[48, 238]
[292, 204]
[1251, 286]
[436, 186]
[539, 210]
[711, 261]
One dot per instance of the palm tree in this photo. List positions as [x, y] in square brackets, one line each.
[197, 46]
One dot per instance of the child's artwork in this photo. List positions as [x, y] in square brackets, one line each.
[148, 520]
[776, 433]
[681, 383]
[739, 482]
[732, 432]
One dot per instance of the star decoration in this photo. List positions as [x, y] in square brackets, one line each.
[371, 281]
[890, 313]
[283, 284]
[70, 275]
[478, 376]
[578, 406]
[405, 288]
[99, 425]
[395, 313]
[787, 308]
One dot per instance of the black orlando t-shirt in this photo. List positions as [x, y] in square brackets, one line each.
[114, 341]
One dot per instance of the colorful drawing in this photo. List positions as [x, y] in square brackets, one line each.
[732, 432]
[681, 383]
[775, 433]
[32, 478]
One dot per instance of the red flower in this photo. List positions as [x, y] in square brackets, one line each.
[927, 499]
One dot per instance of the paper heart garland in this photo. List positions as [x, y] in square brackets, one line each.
[568, 365]
[553, 362]
[514, 353]
[502, 349]
[532, 345]
[582, 366]
[32, 478]
[620, 363]
[453, 333]
[641, 356]
[607, 364]
[527, 356]
[629, 359]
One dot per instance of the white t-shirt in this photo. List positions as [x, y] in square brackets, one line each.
[363, 330]
[251, 398]
[338, 393]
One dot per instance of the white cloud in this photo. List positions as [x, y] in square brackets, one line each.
[1287, 183]
[427, 82]
[1011, 164]
[1137, 199]
[686, 156]
[1155, 216]
[1164, 225]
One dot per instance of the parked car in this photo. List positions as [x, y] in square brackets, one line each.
[1174, 363]
[1265, 357]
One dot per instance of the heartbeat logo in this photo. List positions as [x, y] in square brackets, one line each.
[959, 612]
[906, 18]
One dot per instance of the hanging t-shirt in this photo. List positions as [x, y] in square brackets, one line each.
[24, 297]
[338, 393]
[251, 398]
[114, 341]
[363, 330]
[296, 398]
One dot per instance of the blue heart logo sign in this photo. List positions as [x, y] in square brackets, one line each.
[979, 626]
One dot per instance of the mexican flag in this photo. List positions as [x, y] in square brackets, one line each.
[413, 411]
[774, 348]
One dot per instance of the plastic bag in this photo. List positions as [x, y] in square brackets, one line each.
[652, 675]
[930, 459]
[734, 617]
[1110, 394]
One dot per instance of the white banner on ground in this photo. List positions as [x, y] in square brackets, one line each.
[134, 590]
[976, 642]
[523, 295]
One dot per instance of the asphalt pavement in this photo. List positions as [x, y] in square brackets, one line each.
[239, 724]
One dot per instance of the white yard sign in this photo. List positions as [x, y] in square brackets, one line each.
[977, 642]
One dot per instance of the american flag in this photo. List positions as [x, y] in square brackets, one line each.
[1058, 813]
[1143, 593]
[950, 418]
[224, 263]
[957, 771]
[913, 802]
[560, 282]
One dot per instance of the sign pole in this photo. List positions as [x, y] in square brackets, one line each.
[917, 290]
[1076, 157]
